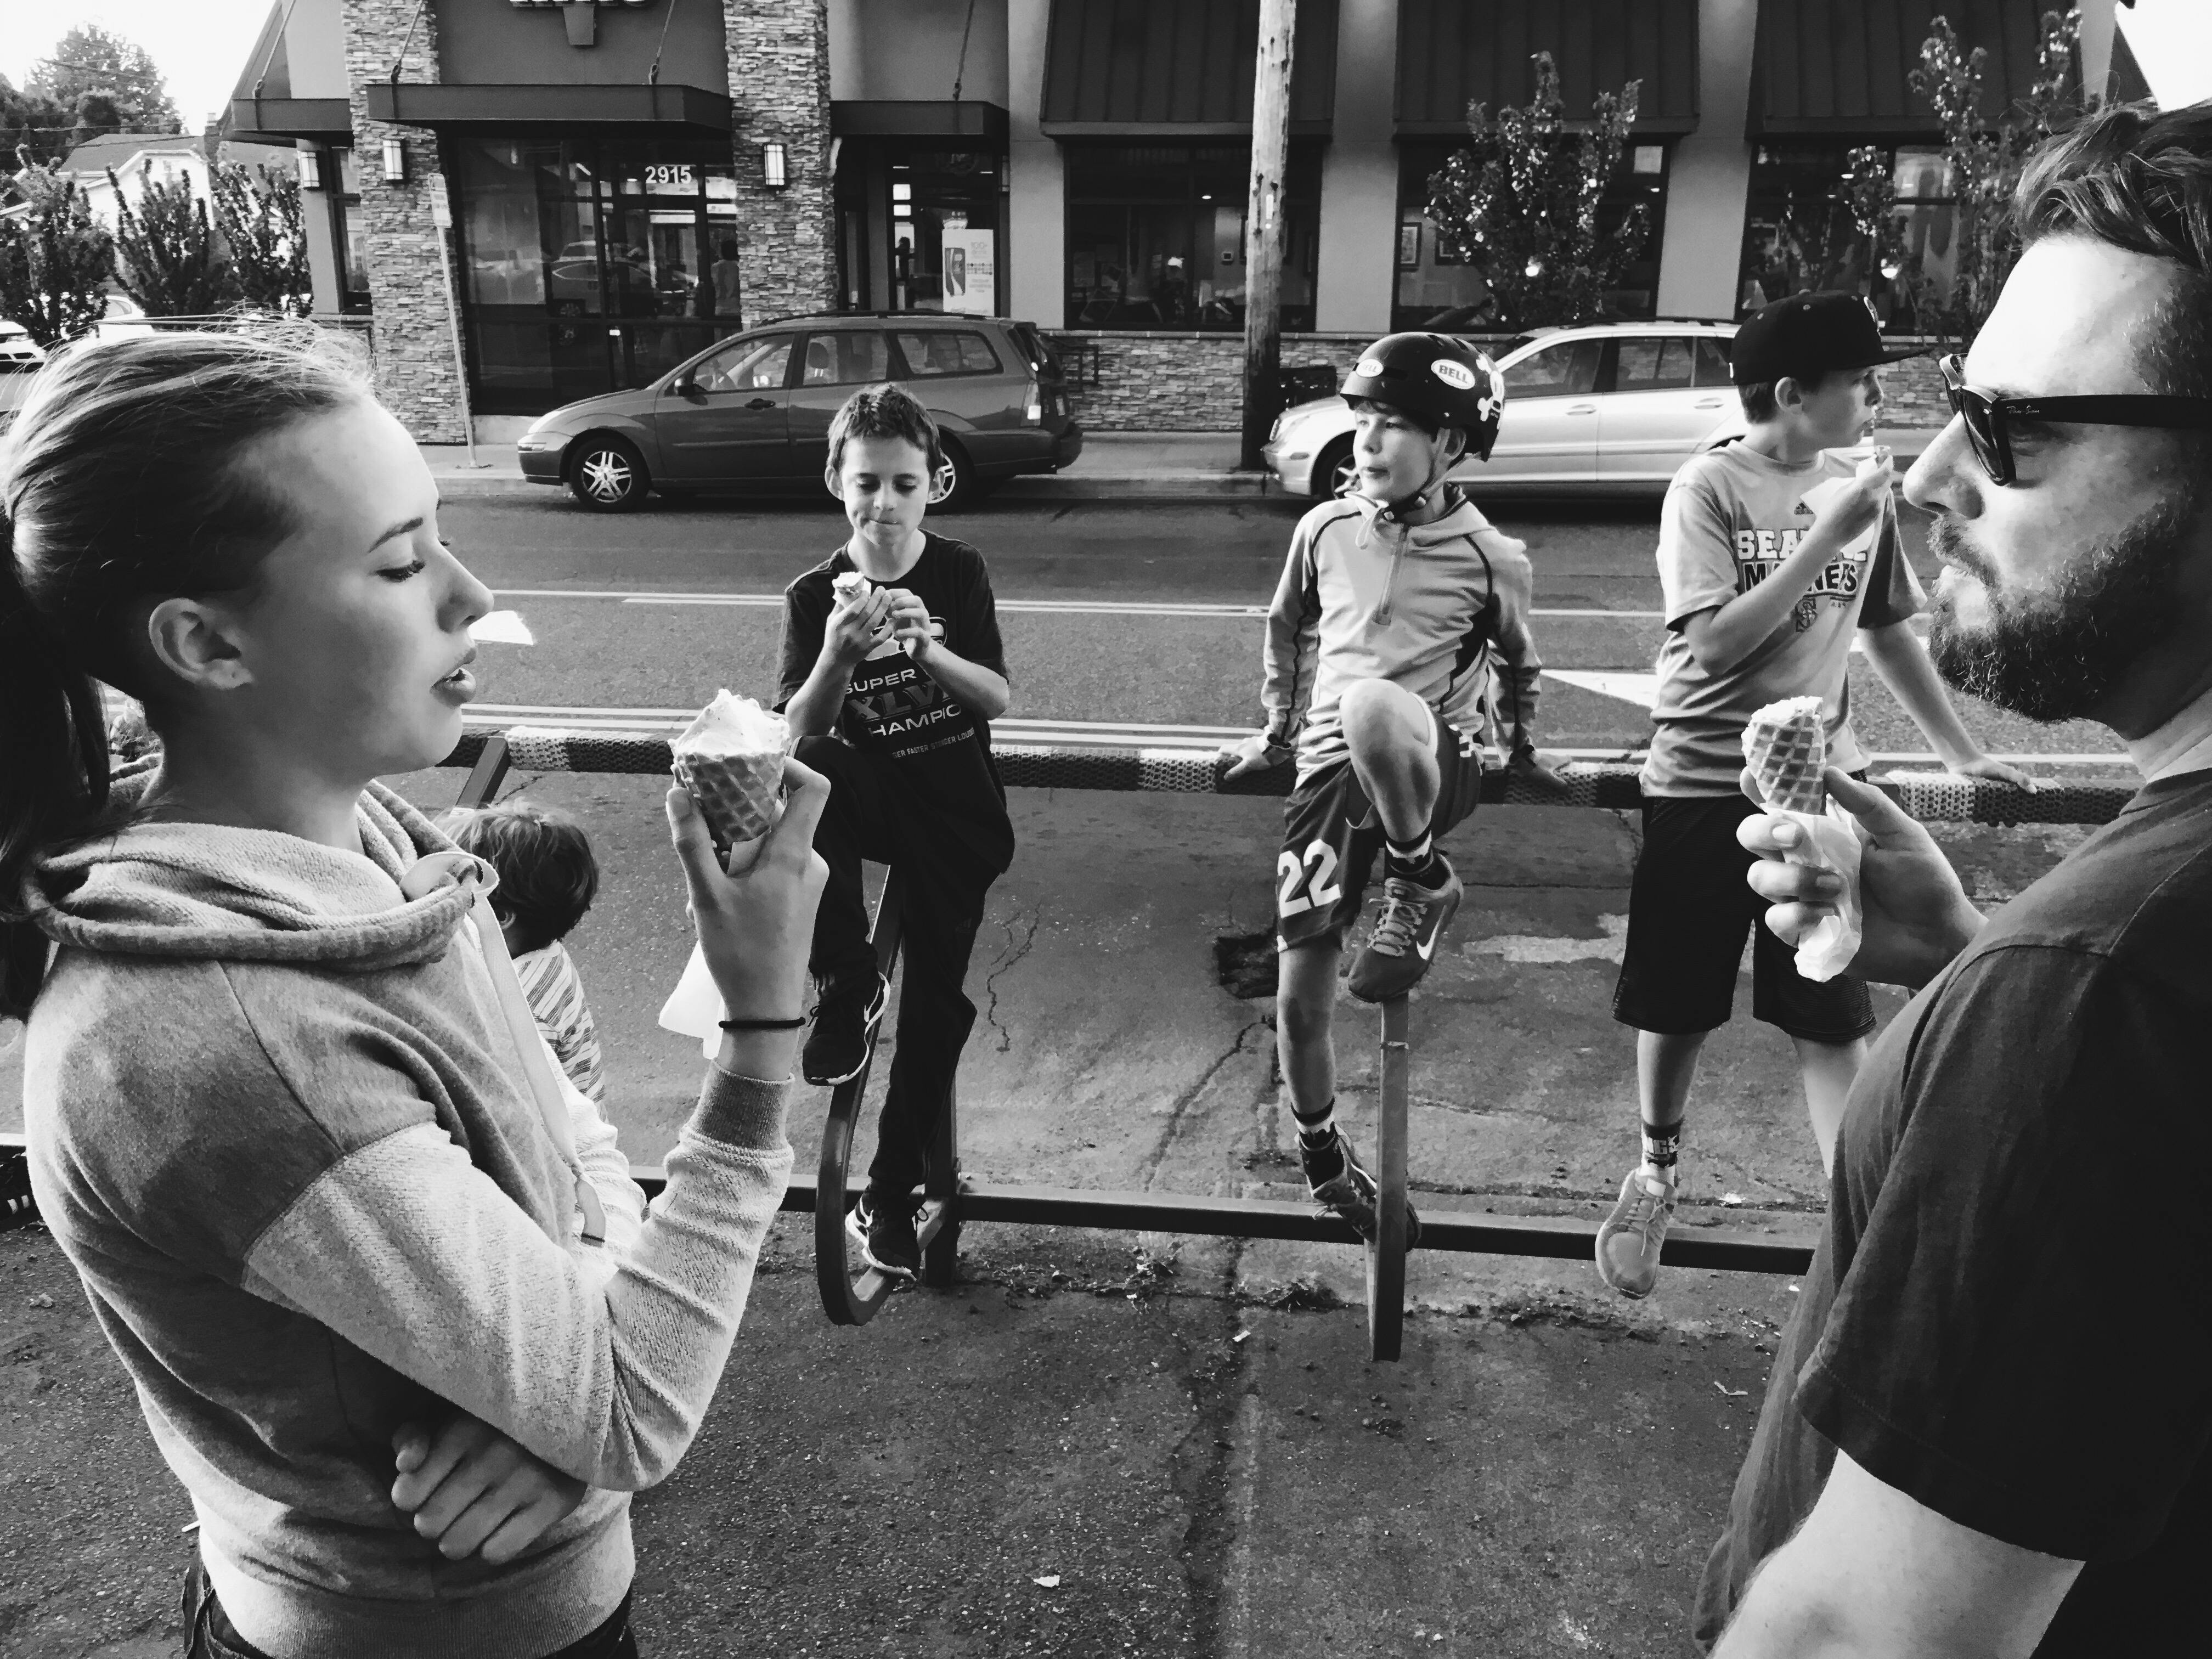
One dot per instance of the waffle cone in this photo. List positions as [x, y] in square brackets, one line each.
[738, 795]
[1786, 746]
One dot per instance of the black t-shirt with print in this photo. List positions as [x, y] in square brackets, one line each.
[941, 753]
[2008, 1317]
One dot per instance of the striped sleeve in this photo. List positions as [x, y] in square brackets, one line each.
[555, 991]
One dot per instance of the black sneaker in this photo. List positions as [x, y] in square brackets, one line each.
[1342, 1187]
[845, 1022]
[884, 1238]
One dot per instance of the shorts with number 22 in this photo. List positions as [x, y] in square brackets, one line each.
[1331, 834]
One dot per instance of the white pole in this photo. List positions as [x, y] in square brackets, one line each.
[441, 219]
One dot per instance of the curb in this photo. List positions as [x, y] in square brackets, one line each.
[1150, 487]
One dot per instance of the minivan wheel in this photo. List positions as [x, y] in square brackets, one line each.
[966, 490]
[1333, 474]
[607, 476]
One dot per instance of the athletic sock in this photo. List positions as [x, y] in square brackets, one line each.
[1317, 1144]
[1662, 1143]
[1412, 860]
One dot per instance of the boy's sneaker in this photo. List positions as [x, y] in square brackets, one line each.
[845, 1021]
[1628, 1244]
[884, 1234]
[1342, 1187]
[1413, 918]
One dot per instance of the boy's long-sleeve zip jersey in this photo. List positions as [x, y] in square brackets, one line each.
[279, 1127]
[1436, 608]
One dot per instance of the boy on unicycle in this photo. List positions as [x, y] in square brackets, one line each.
[1394, 603]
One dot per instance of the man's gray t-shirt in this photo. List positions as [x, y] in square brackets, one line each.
[1730, 518]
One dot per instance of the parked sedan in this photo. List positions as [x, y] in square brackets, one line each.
[1607, 408]
[752, 413]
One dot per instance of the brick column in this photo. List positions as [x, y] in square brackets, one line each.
[779, 83]
[414, 374]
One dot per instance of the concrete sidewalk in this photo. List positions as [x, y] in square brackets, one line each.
[1114, 466]
[1108, 1443]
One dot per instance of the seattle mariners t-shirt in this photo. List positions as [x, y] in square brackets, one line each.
[940, 751]
[1731, 517]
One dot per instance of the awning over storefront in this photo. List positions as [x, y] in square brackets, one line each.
[1840, 66]
[969, 119]
[423, 104]
[265, 107]
[272, 120]
[1177, 66]
[1455, 52]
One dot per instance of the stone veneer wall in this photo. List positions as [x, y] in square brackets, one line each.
[1160, 382]
[413, 333]
[779, 53]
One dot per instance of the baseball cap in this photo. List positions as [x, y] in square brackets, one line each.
[1809, 334]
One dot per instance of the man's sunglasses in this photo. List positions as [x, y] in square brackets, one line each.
[1988, 419]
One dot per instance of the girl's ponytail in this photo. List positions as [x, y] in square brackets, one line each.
[54, 737]
[120, 488]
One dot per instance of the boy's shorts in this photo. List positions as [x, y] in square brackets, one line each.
[1689, 907]
[1331, 834]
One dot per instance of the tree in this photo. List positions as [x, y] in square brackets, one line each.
[260, 213]
[32, 126]
[90, 59]
[168, 257]
[1522, 204]
[1982, 163]
[55, 260]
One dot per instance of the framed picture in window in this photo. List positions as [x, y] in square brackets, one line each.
[1409, 245]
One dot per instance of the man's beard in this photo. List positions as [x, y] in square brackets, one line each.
[2057, 656]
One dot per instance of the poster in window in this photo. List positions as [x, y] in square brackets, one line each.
[971, 271]
[1409, 245]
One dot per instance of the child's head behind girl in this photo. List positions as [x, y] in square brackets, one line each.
[231, 530]
[547, 875]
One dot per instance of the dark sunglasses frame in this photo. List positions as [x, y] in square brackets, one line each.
[1988, 419]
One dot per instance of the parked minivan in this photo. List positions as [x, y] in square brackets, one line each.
[752, 414]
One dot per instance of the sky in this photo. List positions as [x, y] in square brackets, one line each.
[201, 45]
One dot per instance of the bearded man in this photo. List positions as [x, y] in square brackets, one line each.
[1986, 1427]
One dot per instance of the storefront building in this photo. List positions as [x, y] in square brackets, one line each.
[628, 181]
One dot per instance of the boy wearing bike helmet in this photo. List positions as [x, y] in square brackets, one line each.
[1394, 602]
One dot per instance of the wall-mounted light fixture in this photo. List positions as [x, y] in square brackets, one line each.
[772, 166]
[395, 161]
[311, 169]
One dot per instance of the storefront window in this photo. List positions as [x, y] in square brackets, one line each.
[1436, 291]
[592, 266]
[352, 243]
[1156, 236]
[1800, 234]
[919, 229]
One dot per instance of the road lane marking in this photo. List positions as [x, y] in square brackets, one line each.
[1642, 690]
[1038, 607]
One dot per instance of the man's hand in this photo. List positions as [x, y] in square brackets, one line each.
[855, 630]
[1252, 754]
[475, 1492]
[1528, 764]
[1918, 916]
[1982, 766]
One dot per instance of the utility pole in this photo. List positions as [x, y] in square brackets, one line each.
[1263, 225]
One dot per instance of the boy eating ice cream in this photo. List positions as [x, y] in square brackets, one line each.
[1773, 551]
[892, 669]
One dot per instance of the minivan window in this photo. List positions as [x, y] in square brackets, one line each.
[848, 357]
[1713, 361]
[749, 366]
[1566, 370]
[1652, 363]
[947, 351]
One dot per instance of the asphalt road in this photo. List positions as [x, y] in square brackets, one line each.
[643, 629]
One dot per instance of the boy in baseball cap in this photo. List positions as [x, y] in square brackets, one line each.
[1393, 605]
[1773, 551]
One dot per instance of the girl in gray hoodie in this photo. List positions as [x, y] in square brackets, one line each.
[277, 1118]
